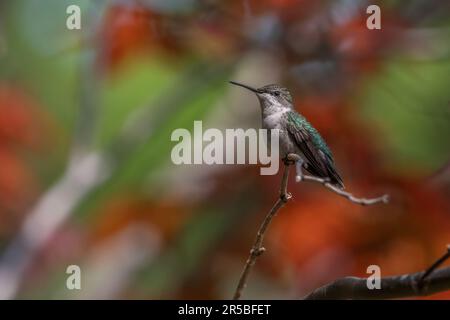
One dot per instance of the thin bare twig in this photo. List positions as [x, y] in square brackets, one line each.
[403, 286]
[325, 182]
[433, 267]
[362, 201]
[258, 248]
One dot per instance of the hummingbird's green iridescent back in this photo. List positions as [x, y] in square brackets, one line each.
[318, 156]
[316, 138]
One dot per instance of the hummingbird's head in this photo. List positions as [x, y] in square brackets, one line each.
[271, 96]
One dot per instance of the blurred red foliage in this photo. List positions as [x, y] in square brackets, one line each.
[126, 30]
[23, 127]
[125, 210]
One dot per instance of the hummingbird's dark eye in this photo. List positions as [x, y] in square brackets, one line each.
[276, 93]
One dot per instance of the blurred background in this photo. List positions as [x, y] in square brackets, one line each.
[86, 116]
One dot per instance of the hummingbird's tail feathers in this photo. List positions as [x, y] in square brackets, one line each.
[334, 177]
[332, 174]
[327, 170]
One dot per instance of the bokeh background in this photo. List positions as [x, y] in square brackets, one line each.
[86, 116]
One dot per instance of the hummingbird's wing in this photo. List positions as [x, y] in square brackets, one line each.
[318, 157]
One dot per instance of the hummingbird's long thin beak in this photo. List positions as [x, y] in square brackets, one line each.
[244, 86]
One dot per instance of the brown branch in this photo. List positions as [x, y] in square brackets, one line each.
[362, 201]
[408, 285]
[325, 182]
[258, 248]
[433, 267]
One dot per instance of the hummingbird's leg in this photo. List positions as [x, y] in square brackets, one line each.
[287, 161]
[298, 169]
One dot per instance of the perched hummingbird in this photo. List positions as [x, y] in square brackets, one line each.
[297, 135]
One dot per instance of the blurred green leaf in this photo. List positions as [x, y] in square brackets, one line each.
[137, 86]
[409, 102]
[141, 162]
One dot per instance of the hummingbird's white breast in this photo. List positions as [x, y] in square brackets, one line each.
[274, 116]
[277, 120]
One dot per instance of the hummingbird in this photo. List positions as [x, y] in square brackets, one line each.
[296, 134]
